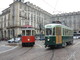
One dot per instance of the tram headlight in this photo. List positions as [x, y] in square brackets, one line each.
[28, 39]
[48, 39]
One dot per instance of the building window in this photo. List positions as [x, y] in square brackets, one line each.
[20, 6]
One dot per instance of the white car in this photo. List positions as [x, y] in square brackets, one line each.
[16, 40]
[76, 37]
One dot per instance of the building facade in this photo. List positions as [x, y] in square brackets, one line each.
[18, 14]
[71, 19]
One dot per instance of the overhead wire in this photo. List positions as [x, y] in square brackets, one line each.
[53, 8]
[48, 4]
[55, 5]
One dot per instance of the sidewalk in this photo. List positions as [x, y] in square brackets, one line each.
[3, 43]
[14, 44]
[4, 47]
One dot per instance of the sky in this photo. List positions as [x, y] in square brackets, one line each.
[51, 6]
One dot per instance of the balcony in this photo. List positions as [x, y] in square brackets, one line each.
[1, 28]
[13, 26]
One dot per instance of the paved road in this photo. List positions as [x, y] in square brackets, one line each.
[4, 47]
[39, 52]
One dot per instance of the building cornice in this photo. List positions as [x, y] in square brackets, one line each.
[67, 14]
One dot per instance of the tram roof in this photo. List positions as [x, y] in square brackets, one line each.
[27, 27]
[57, 25]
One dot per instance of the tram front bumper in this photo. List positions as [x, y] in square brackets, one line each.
[50, 42]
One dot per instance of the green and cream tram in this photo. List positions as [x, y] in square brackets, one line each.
[58, 35]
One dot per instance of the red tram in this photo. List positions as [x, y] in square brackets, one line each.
[28, 38]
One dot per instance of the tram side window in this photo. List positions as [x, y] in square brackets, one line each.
[71, 33]
[63, 31]
[33, 33]
[53, 31]
[48, 31]
[67, 32]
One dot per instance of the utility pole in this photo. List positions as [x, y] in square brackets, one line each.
[13, 23]
[40, 28]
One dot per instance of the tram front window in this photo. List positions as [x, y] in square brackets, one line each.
[28, 32]
[23, 32]
[48, 31]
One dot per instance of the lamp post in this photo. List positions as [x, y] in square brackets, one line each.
[14, 34]
[40, 28]
[13, 22]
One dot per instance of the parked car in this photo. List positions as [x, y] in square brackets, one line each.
[16, 40]
[76, 37]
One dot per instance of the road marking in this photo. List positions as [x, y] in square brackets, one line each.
[76, 44]
[5, 46]
[72, 56]
[39, 45]
[8, 50]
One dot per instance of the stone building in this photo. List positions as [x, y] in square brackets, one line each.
[18, 14]
[71, 19]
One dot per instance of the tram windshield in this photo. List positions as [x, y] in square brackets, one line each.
[26, 33]
[48, 31]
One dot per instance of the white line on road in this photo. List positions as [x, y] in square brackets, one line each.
[8, 50]
[72, 56]
[5, 46]
[76, 44]
[39, 45]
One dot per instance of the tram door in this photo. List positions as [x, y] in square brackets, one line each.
[58, 35]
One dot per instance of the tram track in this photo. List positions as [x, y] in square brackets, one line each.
[18, 52]
[30, 48]
[72, 51]
[52, 55]
[26, 51]
[32, 53]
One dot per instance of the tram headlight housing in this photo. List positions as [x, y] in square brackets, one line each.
[48, 39]
[28, 39]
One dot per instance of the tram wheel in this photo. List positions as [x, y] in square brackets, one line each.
[64, 45]
[71, 42]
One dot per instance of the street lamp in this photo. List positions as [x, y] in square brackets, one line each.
[13, 22]
[14, 34]
[40, 28]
